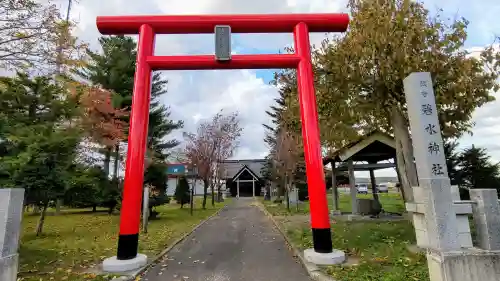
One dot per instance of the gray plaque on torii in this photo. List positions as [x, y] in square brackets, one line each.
[222, 42]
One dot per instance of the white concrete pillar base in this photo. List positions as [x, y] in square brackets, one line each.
[335, 257]
[115, 265]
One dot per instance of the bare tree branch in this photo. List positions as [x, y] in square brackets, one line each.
[31, 33]
[214, 141]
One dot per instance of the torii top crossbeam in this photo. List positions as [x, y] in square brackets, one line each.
[270, 23]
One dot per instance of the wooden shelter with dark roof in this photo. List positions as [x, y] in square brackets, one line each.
[371, 148]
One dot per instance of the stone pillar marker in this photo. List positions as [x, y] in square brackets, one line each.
[11, 212]
[486, 218]
[434, 184]
[293, 195]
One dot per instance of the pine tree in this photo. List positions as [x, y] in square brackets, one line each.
[114, 70]
[284, 116]
[452, 161]
[160, 126]
[40, 146]
[182, 195]
[477, 169]
[276, 112]
[279, 112]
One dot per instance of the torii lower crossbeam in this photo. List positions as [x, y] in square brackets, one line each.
[148, 26]
[203, 62]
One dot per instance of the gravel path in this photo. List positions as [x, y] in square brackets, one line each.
[240, 244]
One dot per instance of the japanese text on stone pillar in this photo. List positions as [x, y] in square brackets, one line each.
[422, 112]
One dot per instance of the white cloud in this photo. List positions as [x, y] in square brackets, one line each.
[227, 90]
[197, 118]
[486, 132]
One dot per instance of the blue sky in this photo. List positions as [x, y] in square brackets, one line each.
[482, 15]
[264, 74]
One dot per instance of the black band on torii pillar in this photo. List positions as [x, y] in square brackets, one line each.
[322, 240]
[127, 246]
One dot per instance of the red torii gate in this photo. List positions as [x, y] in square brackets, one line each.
[148, 26]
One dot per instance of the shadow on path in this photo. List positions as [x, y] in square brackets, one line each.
[240, 244]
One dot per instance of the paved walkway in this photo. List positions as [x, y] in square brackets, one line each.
[240, 244]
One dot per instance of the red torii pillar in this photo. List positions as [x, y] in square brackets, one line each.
[147, 27]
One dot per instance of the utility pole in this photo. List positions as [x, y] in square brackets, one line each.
[59, 201]
[194, 174]
[59, 47]
[69, 9]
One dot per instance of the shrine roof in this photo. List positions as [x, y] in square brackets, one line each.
[233, 167]
[372, 147]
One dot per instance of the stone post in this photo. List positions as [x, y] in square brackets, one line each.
[11, 211]
[238, 188]
[354, 190]
[435, 187]
[335, 191]
[463, 211]
[486, 213]
[145, 209]
[253, 187]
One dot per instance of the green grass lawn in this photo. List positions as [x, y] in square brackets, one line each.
[377, 251]
[75, 241]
